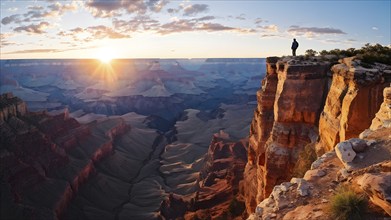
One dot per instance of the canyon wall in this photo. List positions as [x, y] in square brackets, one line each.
[218, 184]
[289, 104]
[354, 98]
[44, 159]
[11, 106]
[299, 104]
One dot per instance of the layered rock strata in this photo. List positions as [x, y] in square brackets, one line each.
[45, 159]
[368, 172]
[218, 185]
[356, 94]
[298, 104]
[289, 104]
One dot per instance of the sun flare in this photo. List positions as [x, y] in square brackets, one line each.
[106, 55]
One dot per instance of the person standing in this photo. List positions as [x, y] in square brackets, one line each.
[295, 45]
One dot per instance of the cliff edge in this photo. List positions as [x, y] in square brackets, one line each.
[308, 104]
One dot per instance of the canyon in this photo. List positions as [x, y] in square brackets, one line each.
[131, 146]
[192, 139]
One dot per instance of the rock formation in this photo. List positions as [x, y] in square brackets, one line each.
[217, 194]
[11, 106]
[297, 91]
[354, 98]
[289, 104]
[46, 158]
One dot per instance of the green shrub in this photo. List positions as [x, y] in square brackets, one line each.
[368, 53]
[306, 157]
[310, 53]
[347, 205]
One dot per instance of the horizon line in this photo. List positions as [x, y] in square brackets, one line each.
[182, 58]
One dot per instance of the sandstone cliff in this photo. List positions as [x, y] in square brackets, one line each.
[299, 104]
[289, 104]
[44, 159]
[368, 173]
[354, 98]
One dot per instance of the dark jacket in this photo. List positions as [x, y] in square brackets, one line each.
[295, 45]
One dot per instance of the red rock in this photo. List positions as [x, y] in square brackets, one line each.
[290, 102]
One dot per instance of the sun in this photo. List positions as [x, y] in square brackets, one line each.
[106, 55]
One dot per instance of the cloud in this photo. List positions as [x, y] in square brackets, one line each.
[60, 9]
[92, 33]
[137, 23]
[36, 13]
[156, 5]
[34, 51]
[205, 18]
[197, 24]
[48, 50]
[260, 20]
[269, 35]
[375, 28]
[332, 41]
[269, 28]
[12, 9]
[111, 8]
[4, 39]
[35, 7]
[11, 19]
[54, 10]
[33, 28]
[101, 31]
[214, 27]
[241, 17]
[145, 23]
[310, 31]
[173, 10]
[191, 10]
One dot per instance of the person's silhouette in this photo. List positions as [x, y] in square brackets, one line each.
[295, 45]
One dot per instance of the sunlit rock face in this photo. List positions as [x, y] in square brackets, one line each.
[289, 104]
[383, 116]
[300, 104]
[355, 96]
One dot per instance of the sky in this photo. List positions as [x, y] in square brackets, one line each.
[186, 28]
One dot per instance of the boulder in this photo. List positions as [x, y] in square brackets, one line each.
[302, 186]
[311, 174]
[378, 188]
[345, 152]
[358, 144]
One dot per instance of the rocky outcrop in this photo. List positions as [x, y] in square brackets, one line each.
[361, 163]
[289, 104]
[299, 105]
[259, 133]
[11, 106]
[218, 184]
[355, 96]
[46, 158]
[383, 116]
[378, 187]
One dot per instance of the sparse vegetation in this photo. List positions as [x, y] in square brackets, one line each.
[347, 205]
[306, 157]
[310, 52]
[368, 53]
